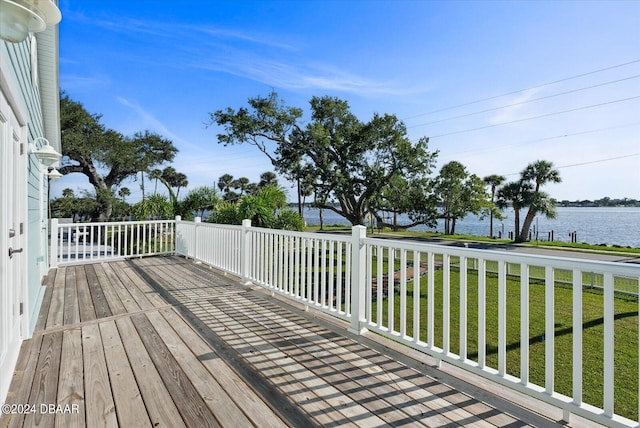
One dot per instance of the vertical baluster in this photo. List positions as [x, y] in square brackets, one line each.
[76, 243]
[323, 272]
[390, 288]
[332, 279]
[339, 273]
[502, 317]
[124, 240]
[403, 293]
[316, 268]
[292, 264]
[463, 308]
[416, 296]
[550, 330]
[310, 269]
[368, 281]
[431, 298]
[524, 323]
[379, 284]
[609, 341]
[482, 313]
[577, 337]
[296, 263]
[347, 280]
[446, 302]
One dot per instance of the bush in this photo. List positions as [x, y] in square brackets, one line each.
[288, 220]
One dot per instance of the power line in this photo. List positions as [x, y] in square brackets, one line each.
[534, 117]
[524, 102]
[522, 90]
[600, 160]
[539, 140]
[588, 163]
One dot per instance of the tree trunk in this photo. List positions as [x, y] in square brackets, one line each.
[491, 224]
[517, 224]
[453, 226]
[526, 225]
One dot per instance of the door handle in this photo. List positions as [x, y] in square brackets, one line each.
[12, 251]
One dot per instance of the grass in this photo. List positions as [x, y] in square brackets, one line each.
[473, 238]
[626, 333]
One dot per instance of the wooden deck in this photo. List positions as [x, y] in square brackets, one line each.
[161, 342]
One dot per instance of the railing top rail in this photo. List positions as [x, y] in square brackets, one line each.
[568, 263]
[115, 223]
[308, 235]
[216, 225]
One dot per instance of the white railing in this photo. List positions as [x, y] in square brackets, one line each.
[74, 243]
[524, 321]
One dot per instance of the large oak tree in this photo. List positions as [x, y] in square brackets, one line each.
[347, 163]
[105, 156]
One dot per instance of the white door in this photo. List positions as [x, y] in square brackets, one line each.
[12, 242]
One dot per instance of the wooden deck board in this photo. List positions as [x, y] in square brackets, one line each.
[55, 316]
[160, 407]
[190, 404]
[71, 383]
[71, 306]
[130, 408]
[165, 342]
[97, 295]
[22, 381]
[99, 406]
[41, 323]
[224, 409]
[45, 383]
[85, 302]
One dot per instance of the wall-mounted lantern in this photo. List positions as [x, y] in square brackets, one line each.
[46, 154]
[20, 17]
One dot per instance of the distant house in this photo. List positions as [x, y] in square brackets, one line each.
[29, 133]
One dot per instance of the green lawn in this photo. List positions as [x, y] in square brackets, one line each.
[626, 333]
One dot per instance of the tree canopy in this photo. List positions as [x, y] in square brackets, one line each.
[526, 193]
[345, 162]
[458, 193]
[105, 156]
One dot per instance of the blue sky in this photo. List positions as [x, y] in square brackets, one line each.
[495, 85]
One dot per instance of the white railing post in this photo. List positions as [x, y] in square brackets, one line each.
[196, 223]
[358, 285]
[53, 244]
[174, 234]
[245, 251]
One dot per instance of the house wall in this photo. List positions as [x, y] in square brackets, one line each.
[23, 67]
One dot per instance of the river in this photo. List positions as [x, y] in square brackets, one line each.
[601, 225]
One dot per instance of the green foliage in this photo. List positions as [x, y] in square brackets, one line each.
[77, 208]
[288, 219]
[526, 193]
[154, 207]
[336, 155]
[459, 193]
[265, 208]
[105, 156]
[199, 200]
[225, 213]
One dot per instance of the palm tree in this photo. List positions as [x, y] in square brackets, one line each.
[180, 181]
[539, 173]
[494, 181]
[268, 178]
[241, 184]
[124, 192]
[155, 174]
[67, 193]
[518, 195]
[225, 183]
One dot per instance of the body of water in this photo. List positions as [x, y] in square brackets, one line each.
[601, 225]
